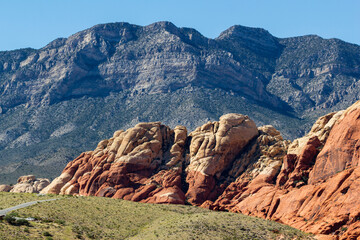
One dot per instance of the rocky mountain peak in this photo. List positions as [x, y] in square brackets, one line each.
[247, 33]
[251, 38]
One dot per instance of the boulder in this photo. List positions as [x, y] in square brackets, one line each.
[30, 184]
[26, 179]
[5, 188]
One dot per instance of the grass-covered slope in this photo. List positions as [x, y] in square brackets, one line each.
[8, 200]
[104, 218]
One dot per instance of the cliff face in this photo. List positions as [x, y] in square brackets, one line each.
[311, 183]
[148, 162]
[316, 189]
[116, 75]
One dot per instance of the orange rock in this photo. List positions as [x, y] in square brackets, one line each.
[130, 165]
[213, 148]
[231, 165]
[327, 204]
[341, 148]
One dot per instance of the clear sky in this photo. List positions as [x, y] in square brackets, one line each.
[34, 23]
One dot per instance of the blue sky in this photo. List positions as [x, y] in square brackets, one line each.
[25, 23]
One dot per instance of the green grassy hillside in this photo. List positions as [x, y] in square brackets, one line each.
[104, 218]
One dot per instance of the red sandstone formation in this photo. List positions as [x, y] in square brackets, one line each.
[213, 148]
[317, 190]
[146, 163]
[311, 184]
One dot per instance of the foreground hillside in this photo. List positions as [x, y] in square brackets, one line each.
[57, 101]
[104, 218]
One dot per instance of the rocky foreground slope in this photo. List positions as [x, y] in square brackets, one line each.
[311, 183]
[116, 75]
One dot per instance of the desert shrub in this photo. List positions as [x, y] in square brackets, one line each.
[10, 219]
[16, 222]
[47, 234]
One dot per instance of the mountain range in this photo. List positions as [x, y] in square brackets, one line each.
[60, 100]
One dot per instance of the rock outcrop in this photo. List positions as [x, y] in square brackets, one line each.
[143, 164]
[146, 163]
[5, 188]
[212, 149]
[26, 184]
[311, 184]
[316, 188]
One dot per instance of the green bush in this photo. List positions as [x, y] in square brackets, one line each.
[47, 234]
[10, 219]
[16, 222]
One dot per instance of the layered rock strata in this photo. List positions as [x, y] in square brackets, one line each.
[311, 184]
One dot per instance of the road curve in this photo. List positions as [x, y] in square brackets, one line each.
[23, 205]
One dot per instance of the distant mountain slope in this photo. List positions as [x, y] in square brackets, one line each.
[114, 75]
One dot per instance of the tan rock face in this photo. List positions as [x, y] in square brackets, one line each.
[30, 184]
[320, 129]
[26, 179]
[143, 164]
[311, 184]
[213, 148]
[5, 188]
[257, 165]
[146, 163]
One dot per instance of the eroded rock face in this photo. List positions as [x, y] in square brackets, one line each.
[143, 164]
[341, 150]
[257, 165]
[320, 129]
[316, 189]
[146, 163]
[213, 148]
[311, 184]
[26, 184]
[5, 188]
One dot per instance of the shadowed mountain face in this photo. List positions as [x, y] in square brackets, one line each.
[114, 75]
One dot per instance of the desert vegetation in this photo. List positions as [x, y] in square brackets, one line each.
[104, 218]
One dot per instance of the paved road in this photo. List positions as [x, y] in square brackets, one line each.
[24, 205]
